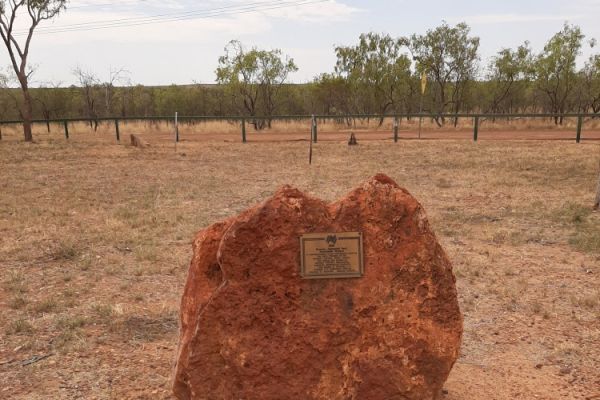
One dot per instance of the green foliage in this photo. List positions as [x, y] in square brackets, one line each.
[47, 9]
[332, 95]
[555, 67]
[448, 55]
[376, 71]
[509, 74]
[589, 85]
[254, 78]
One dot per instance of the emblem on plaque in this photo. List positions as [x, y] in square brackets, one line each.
[331, 255]
[331, 240]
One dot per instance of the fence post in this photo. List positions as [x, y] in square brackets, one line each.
[117, 130]
[243, 130]
[314, 128]
[310, 145]
[476, 129]
[396, 124]
[579, 127]
[176, 129]
[66, 129]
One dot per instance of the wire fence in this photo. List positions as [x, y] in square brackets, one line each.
[389, 126]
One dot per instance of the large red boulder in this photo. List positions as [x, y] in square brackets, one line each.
[252, 328]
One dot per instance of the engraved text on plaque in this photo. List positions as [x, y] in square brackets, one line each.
[331, 255]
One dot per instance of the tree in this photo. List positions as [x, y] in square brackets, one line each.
[115, 75]
[38, 11]
[254, 77]
[332, 93]
[274, 71]
[90, 86]
[555, 68]
[51, 100]
[376, 69]
[448, 55]
[590, 85]
[142, 101]
[3, 108]
[509, 73]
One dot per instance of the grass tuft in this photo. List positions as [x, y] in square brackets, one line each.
[20, 326]
[17, 302]
[572, 213]
[46, 306]
[65, 251]
[70, 322]
[586, 238]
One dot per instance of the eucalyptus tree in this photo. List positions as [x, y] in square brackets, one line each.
[376, 69]
[254, 77]
[509, 74]
[331, 95]
[449, 57]
[555, 68]
[590, 85]
[274, 71]
[36, 11]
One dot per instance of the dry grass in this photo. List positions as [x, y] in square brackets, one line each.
[95, 243]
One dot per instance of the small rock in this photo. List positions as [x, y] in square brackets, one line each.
[565, 370]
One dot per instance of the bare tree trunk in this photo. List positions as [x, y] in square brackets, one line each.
[562, 118]
[27, 112]
[47, 118]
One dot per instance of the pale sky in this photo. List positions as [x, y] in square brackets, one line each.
[179, 41]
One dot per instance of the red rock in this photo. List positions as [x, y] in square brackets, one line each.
[251, 328]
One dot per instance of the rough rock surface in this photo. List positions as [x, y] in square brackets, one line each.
[251, 328]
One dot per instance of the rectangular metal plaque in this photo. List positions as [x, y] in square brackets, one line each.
[331, 255]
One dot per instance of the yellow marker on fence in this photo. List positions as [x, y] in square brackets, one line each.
[423, 87]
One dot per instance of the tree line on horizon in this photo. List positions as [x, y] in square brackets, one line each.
[380, 74]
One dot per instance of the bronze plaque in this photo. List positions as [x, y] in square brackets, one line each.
[331, 255]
